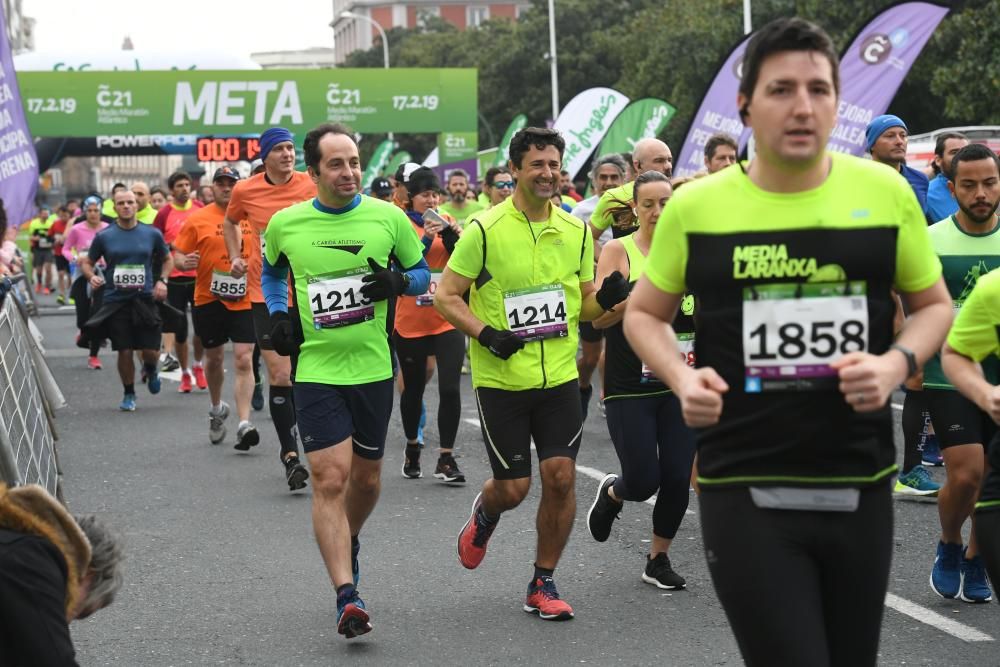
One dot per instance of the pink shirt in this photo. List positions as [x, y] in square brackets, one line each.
[80, 237]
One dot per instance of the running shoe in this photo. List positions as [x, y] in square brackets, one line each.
[257, 400]
[946, 576]
[355, 565]
[217, 423]
[917, 482]
[246, 436]
[153, 382]
[199, 378]
[61, 300]
[543, 599]
[931, 455]
[447, 470]
[660, 573]
[475, 536]
[295, 473]
[185, 387]
[170, 364]
[352, 618]
[128, 403]
[603, 511]
[94, 363]
[411, 462]
[975, 584]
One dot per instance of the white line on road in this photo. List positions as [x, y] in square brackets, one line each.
[935, 620]
[897, 406]
[473, 422]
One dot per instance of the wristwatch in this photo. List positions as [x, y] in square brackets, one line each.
[161, 279]
[911, 359]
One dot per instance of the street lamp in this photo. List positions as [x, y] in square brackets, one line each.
[381, 33]
[553, 61]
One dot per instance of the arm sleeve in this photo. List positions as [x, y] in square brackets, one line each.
[666, 265]
[467, 258]
[274, 284]
[974, 333]
[917, 265]
[420, 278]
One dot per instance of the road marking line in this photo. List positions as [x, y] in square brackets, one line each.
[897, 406]
[936, 620]
[598, 475]
[474, 422]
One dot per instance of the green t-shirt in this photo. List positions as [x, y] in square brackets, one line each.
[147, 215]
[786, 283]
[461, 214]
[327, 250]
[976, 330]
[965, 258]
[527, 279]
[601, 217]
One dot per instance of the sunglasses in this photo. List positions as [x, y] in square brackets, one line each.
[504, 184]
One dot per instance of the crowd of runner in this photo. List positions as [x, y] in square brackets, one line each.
[760, 314]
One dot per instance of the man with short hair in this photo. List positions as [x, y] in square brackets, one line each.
[206, 194]
[338, 246]
[720, 152]
[530, 268]
[180, 292]
[58, 230]
[41, 240]
[567, 188]
[109, 204]
[381, 188]
[498, 184]
[648, 154]
[137, 265]
[146, 213]
[459, 206]
[940, 203]
[887, 139]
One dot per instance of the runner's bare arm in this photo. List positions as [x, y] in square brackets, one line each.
[231, 235]
[967, 376]
[448, 301]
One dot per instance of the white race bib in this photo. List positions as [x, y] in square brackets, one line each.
[335, 299]
[44, 242]
[792, 332]
[427, 298]
[685, 343]
[224, 286]
[130, 276]
[536, 313]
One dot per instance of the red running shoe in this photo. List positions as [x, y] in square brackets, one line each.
[185, 387]
[543, 599]
[199, 377]
[94, 363]
[474, 537]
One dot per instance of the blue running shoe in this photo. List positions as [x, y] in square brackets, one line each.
[352, 618]
[917, 482]
[128, 403]
[975, 585]
[946, 575]
[422, 424]
[153, 382]
[355, 566]
[931, 456]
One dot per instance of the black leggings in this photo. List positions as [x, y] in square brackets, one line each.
[449, 350]
[800, 587]
[85, 308]
[656, 450]
[987, 525]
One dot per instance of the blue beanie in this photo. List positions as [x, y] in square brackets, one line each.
[271, 138]
[879, 125]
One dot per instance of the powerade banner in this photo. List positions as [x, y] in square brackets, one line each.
[88, 104]
[503, 150]
[641, 119]
[584, 122]
[717, 113]
[874, 66]
[377, 162]
[18, 161]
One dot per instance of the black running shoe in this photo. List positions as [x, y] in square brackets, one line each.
[295, 473]
[661, 574]
[257, 399]
[411, 463]
[170, 364]
[603, 511]
[447, 470]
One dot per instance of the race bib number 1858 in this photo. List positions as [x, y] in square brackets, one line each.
[792, 332]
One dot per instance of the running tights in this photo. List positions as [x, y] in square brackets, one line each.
[800, 587]
[988, 535]
[449, 350]
[656, 450]
[916, 423]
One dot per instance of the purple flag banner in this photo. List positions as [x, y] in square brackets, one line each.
[874, 66]
[717, 113]
[18, 162]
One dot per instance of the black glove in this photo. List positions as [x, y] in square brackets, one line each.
[282, 335]
[382, 283]
[502, 344]
[614, 290]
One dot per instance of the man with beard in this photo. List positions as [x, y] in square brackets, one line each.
[940, 203]
[459, 207]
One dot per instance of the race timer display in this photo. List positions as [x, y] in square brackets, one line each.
[227, 149]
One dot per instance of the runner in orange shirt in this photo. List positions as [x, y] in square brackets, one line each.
[256, 200]
[221, 307]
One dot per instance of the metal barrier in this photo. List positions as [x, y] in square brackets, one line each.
[28, 395]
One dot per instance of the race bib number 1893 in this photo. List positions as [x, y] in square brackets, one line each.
[792, 332]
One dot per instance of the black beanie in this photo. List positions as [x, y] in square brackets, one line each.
[422, 180]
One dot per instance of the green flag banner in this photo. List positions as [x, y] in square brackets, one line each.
[220, 103]
[487, 159]
[457, 147]
[503, 150]
[397, 159]
[378, 161]
[642, 118]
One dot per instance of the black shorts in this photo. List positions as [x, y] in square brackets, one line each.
[180, 295]
[328, 414]
[41, 256]
[589, 334]
[957, 420]
[125, 335]
[511, 419]
[62, 264]
[216, 325]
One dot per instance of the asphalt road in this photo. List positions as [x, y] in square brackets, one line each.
[222, 567]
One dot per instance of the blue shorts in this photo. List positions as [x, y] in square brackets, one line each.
[328, 414]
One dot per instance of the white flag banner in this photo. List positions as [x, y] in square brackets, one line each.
[584, 122]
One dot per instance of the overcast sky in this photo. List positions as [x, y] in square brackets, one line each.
[240, 27]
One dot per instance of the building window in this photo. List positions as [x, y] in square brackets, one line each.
[476, 14]
[425, 13]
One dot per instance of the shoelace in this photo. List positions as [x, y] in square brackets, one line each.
[483, 531]
[548, 589]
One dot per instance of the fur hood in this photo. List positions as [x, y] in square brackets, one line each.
[31, 510]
